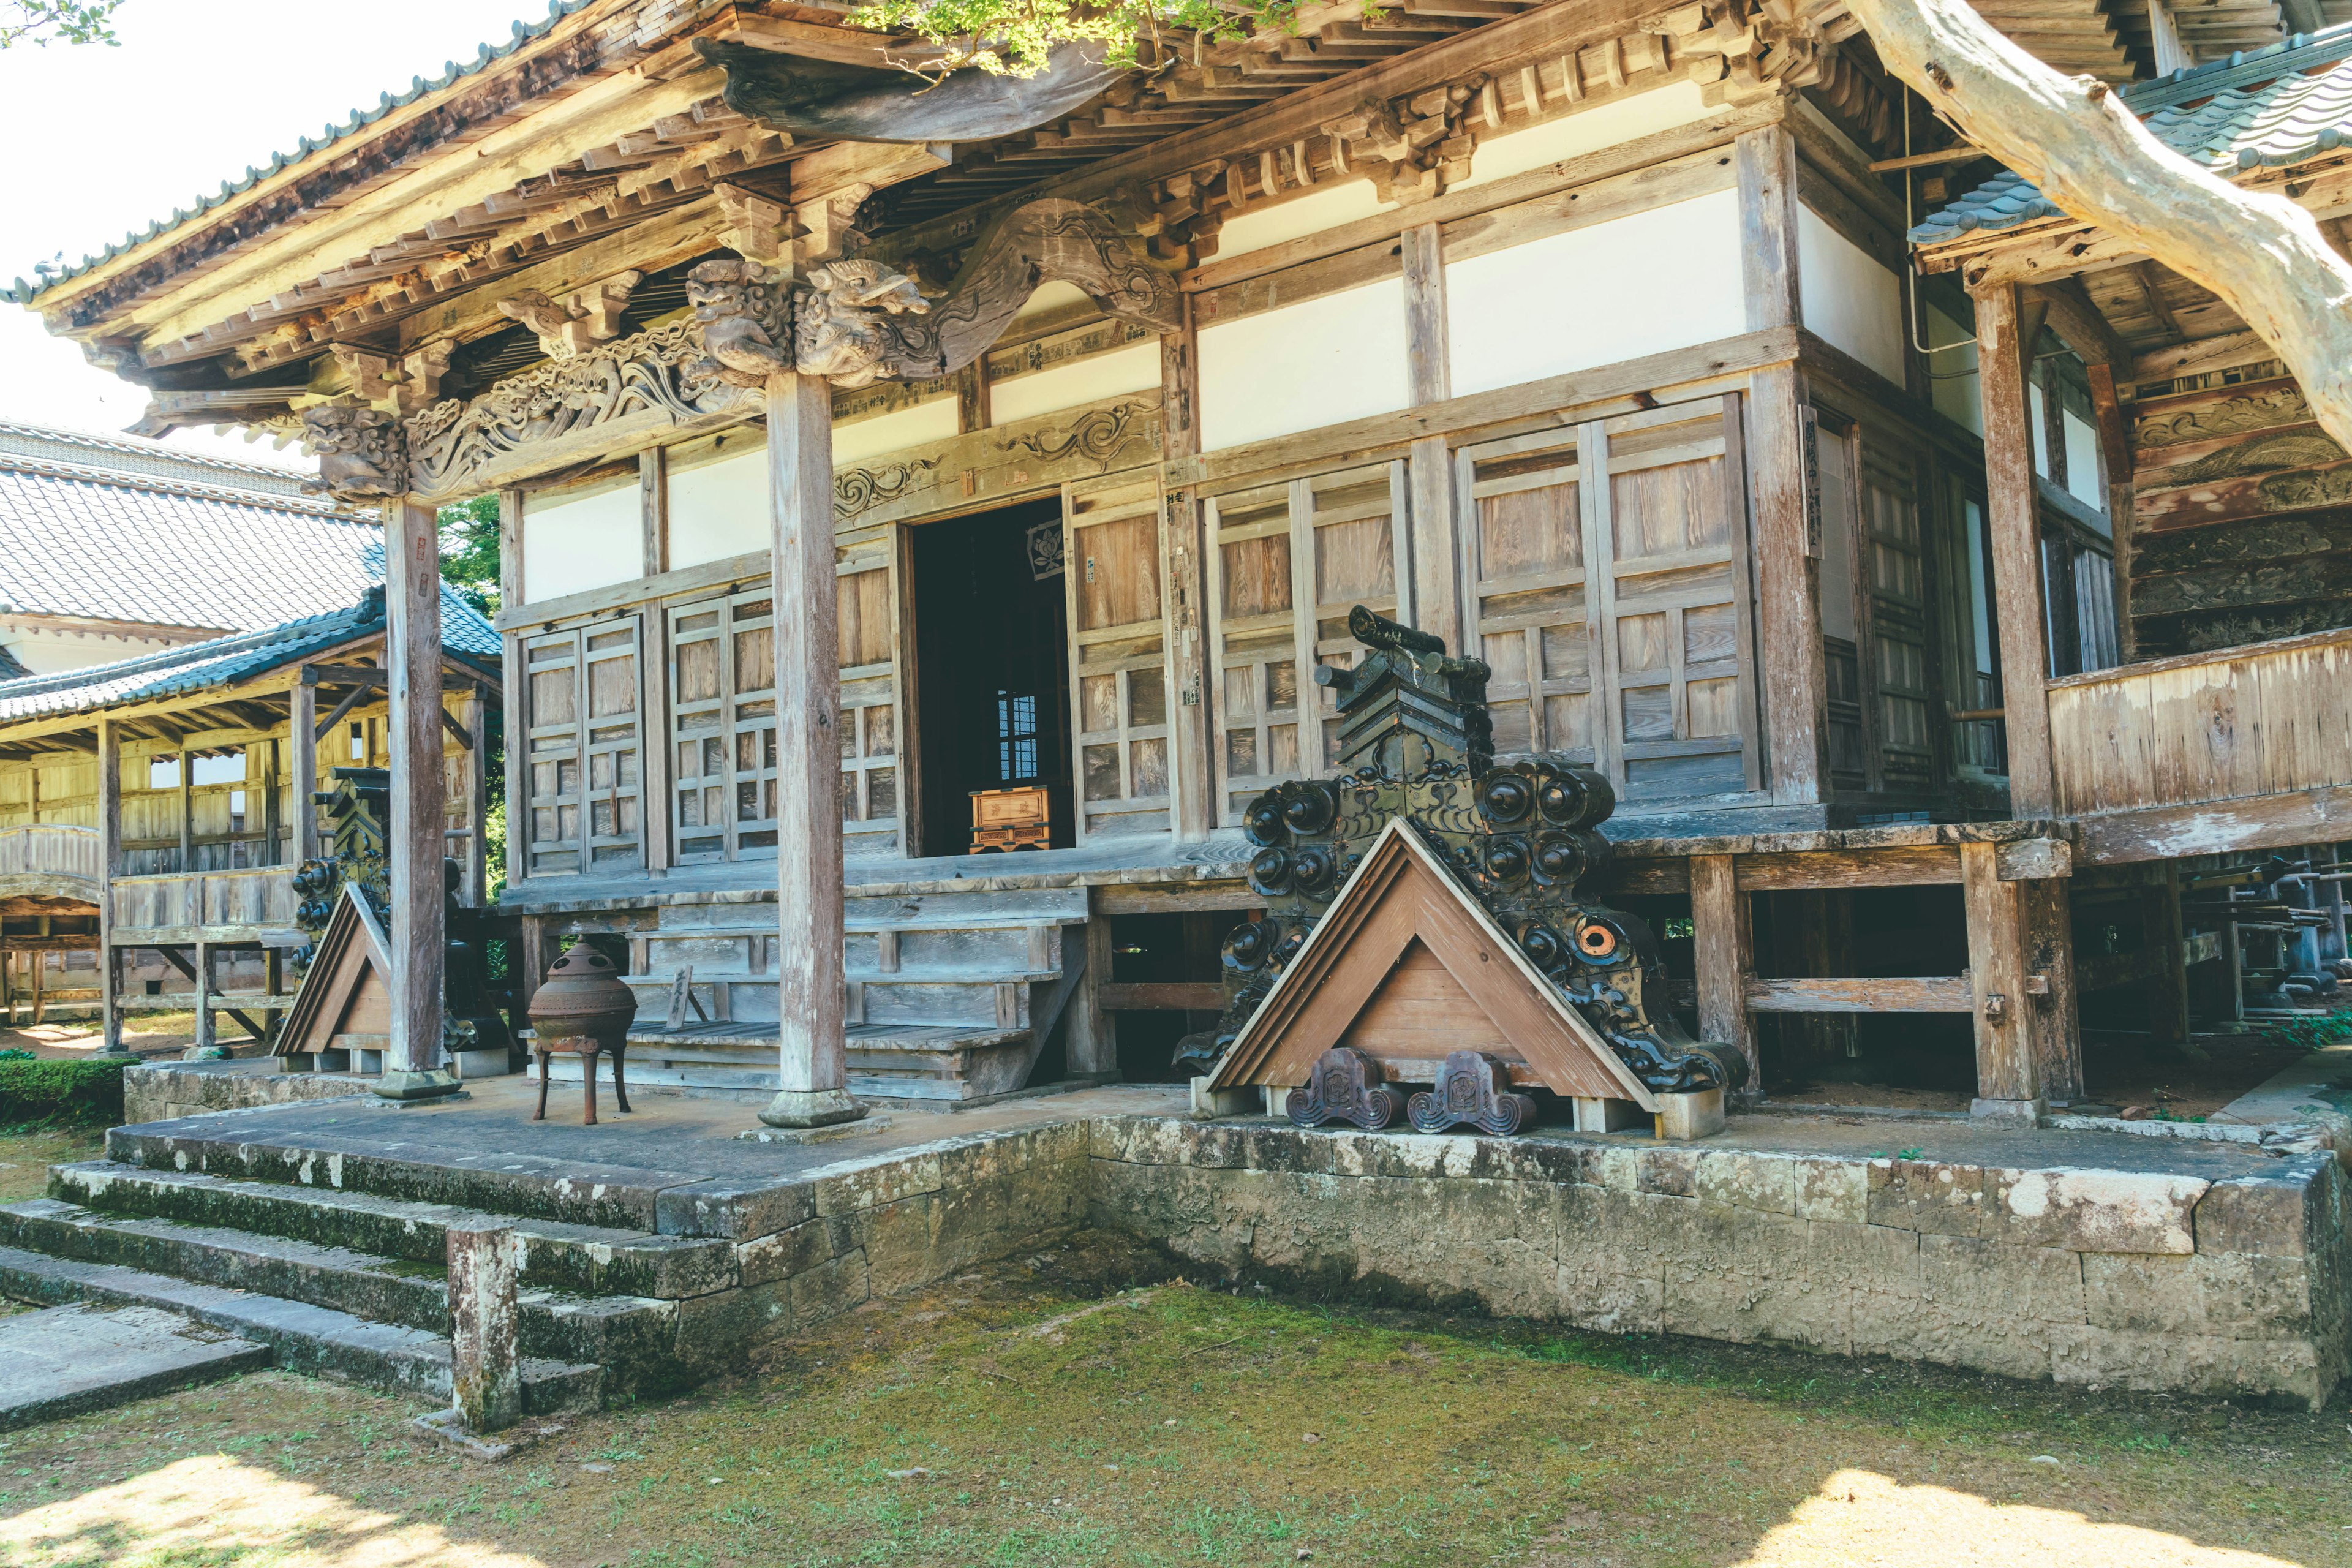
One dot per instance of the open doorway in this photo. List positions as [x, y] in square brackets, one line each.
[991, 666]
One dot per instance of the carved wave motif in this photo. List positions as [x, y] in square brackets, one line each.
[2288, 492]
[1095, 437]
[664, 369]
[856, 490]
[2262, 411]
[2301, 449]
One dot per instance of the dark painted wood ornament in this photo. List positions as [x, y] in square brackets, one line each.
[1475, 1090]
[1346, 1087]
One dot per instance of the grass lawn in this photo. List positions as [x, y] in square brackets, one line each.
[1034, 1413]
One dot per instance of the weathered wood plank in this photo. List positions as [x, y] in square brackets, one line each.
[1936, 994]
[2014, 514]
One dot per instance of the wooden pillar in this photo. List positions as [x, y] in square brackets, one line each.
[304, 768]
[209, 1047]
[812, 1063]
[2167, 987]
[1194, 782]
[2009, 1078]
[1787, 546]
[418, 930]
[187, 813]
[2014, 524]
[1433, 581]
[477, 799]
[40, 979]
[1723, 944]
[109, 867]
[1093, 1041]
[2045, 909]
[8, 988]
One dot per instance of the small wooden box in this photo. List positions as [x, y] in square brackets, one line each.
[1006, 819]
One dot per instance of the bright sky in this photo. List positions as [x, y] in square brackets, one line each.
[103, 142]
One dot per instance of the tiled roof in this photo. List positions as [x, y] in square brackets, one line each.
[225, 661]
[112, 544]
[24, 293]
[140, 455]
[11, 666]
[2256, 108]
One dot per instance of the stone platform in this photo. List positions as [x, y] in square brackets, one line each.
[661, 1248]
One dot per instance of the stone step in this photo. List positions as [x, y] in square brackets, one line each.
[594, 1261]
[68, 1361]
[301, 1337]
[635, 1332]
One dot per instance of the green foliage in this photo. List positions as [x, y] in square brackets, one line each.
[2311, 1034]
[470, 551]
[53, 1093]
[1011, 38]
[43, 22]
[15, 1054]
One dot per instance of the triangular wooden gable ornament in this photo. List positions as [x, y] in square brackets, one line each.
[1407, 965]
[349, 981]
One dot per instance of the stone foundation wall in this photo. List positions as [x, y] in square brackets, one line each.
[2122, 1280]
[168, 1090]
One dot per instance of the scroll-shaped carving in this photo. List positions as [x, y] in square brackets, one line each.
[1095, 436]
[2232, 417]
[1047, 241]
[1346, 1087]
[664, 369]
[841, 320]
[856, 490]
[744, 313]
[362, 452]
[1472, 1090]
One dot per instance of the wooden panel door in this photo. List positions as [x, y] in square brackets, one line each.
[1115, 547]
[1347, 544]
[1523, 560]
[871, 790]
[1894, 627]
[1670, 597]
[584, 729]
[722, 684]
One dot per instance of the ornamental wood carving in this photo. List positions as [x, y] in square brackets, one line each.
[362, 452]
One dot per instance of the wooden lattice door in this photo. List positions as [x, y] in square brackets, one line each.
[1523, 560]
[722, 682]
[585, 811]
[1115, 548]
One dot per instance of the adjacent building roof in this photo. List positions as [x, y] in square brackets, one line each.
[226, 661]
[117, 529]
[2276, 106]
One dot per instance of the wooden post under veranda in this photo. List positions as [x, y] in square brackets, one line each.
[811, 1059]
[418, 922]
[110, 870]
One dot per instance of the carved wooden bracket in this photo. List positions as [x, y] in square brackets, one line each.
[362, 452]
[568, 325]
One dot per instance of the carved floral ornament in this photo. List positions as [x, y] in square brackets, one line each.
[851, 322]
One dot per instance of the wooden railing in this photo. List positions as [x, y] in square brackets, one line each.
[205, 905]
[2269, 719]
[49, 849]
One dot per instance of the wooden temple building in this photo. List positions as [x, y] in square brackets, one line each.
[1946, 592]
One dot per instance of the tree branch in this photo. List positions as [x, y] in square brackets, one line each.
[2262, 254]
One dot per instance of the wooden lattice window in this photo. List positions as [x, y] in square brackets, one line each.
[1114, 544]
[723, 726]
[1895, 604]
[1289, 561]
[870, 794]
[585, 811]
[1524, 563]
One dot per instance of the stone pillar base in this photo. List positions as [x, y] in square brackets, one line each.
[1684, 1117]
[810, 1107]
[2008, 1112]
[410, 1087]
[1208, 1104]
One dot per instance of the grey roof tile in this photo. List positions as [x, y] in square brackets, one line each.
[2258, 108]
[225, 661]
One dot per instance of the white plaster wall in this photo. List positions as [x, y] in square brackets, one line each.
[572, 541]
[2083, 462]
[1848, 299]
[1952, 374]
[863, 438]
[1304, 366]
[1271, 226]
[1135, 368]
[1586, 130]
[1654, 280]
[719, 507]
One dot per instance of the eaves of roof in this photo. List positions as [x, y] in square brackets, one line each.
[2258, 109]
[306, 149]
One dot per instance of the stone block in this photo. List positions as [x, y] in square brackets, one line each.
[1744, 1307]
[1837, 1190]
[738, 1211]
[2092, 1210]
[1911, 1329]
[1738, 1179]
[2227, 1295]
[829, 1290]
[2187, 1363]
[1209, 1104]
[2273, 1214]
[1927, 1196]
[784, 1254]
[900, 1241]
[1863, 1257]
[1617, 1290]
[1996, 1283]
[1617, 1169]
[1685, 1117]
[717, 1332]
[1671, 1172]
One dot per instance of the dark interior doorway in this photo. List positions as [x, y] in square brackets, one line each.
[991, 666]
